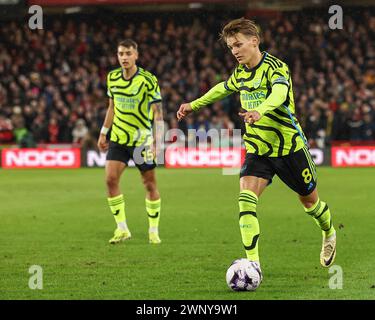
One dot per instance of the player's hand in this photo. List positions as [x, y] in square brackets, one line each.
[184, 110]
[250, 116]
[103, 143]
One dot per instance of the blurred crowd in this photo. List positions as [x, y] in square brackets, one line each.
[52, 81]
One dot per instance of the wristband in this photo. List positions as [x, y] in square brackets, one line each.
[104, 130]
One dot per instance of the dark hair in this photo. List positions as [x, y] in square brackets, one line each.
[128, 43]
[242, 25]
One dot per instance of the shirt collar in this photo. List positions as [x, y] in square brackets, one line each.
[264, 53]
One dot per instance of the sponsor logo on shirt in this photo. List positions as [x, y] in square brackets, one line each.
[250, 100]
[126, 103]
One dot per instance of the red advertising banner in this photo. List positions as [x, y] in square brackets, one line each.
[41, 158]
[179, 157]
[357, 156]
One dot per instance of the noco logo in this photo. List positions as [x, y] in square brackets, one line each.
[195, 157]
[215, 157]
[41, 158]
[353, 156]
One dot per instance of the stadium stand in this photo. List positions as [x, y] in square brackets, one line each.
[52, 87]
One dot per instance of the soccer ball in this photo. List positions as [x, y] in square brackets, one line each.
[244, 275]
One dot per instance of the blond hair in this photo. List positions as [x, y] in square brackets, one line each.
[242, 25]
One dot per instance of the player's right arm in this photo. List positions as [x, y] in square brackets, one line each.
[280, 83]
[218, 92]
[102, 141]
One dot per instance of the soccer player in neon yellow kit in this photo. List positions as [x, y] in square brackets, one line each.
[134, 110]
[274, 140]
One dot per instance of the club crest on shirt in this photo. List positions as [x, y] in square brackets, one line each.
[257, 83]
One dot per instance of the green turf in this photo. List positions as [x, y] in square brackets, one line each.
[59, 219]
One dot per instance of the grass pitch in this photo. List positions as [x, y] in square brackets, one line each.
[59, 220]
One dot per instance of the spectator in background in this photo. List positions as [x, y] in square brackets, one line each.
[312, 124]
[80, 131]
[39, 128]
[368, 128]
[24, 138]
[6, 130]
[355, 124]
[340, 128]
[53, 131]
[90, 142]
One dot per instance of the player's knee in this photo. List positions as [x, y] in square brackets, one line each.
[309, 200]
[307, 204]
[150, 186]
[112, 181]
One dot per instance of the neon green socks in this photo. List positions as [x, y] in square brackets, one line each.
[322, 217]
[153, 212]
[249, 225]
[117, 206]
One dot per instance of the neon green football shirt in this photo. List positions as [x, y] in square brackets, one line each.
[278, 132]
[132, 99]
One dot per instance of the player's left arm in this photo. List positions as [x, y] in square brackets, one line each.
[280, 82]
[157, 109]
[158, 127]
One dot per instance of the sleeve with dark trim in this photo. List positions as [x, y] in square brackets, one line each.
[275, 99]
[216, 93]
[280, 75]
[230, 84]
[154, 94]
[109, 92]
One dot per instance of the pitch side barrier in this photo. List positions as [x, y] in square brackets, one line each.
[64, 157]
[181, 157]
[69, 157]
[206, 157]
[353, 156]
[38, 158]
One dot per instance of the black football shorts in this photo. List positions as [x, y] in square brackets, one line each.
[143, 156]
[296, 170]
